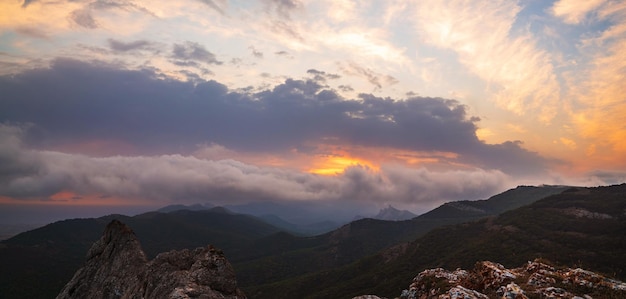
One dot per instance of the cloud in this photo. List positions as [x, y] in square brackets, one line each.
[283, 8]
[84, 18]
[31, 31]
[77, 101]
[573, 11]
[598, 90]
[603, 177]
[28, 2]
[119, 46]
[33, 174]
[374, 78]
[192, 52]
[320, 76]
[256, 53]
[520, 76]
[216, 5]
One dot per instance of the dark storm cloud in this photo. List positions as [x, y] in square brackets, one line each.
[76, 101]
[120, 46]
[192, 52]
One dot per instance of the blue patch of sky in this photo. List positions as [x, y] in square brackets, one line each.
[7, 40]
[552, 33]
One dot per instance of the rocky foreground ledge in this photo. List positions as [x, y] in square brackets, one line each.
[117, 267]
[492, 280]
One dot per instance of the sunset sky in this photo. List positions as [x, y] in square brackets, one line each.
[409, 103]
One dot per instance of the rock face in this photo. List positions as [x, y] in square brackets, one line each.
[116, 267]
[492, 280]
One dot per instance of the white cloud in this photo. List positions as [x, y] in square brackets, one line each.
[574, 11]
[520, 75]
[41, 174]
[598, 88]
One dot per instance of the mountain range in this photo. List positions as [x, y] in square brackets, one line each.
[361, 256]
[580, 227]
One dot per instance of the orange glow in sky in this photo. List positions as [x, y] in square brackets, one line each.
[71, 198]
[334, 165]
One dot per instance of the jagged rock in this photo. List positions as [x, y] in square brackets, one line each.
[511, 291]
[492, 280]
[116, 267]
[460, 292]
[492, 275]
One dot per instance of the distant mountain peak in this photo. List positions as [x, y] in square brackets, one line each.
[392, 214]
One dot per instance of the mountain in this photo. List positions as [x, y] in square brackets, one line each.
[357, 240]
[311, 229]
[585, 227]
[508, 200]
[262, 254]
[9, 230]
[178, 207]
[492, 280]
[117, 267]
[51, 254]
[392, 214]
[303, 212]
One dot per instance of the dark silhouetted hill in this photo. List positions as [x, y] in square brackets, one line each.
[262, 254]
[580, 227]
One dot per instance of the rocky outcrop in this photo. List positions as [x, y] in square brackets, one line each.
[492, 280]
[116, 267]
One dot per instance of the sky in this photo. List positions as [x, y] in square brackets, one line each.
[410, 103]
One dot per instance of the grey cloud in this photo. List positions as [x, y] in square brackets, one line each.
[83, 17]
[75, 101]
[256, 53]
[376, 79]
[28, 2]
[283, 8]
[285, 28]
[607, 177]
[191, 76]
[212, 4]
[32, 32]
[192, 52]
[321, 76]
[119, 46]
[345, 88]
[123, 5]
[40, 174]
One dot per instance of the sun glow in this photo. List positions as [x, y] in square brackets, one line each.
[334, 165]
